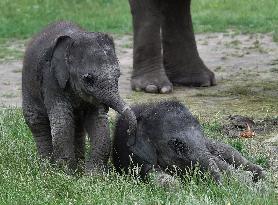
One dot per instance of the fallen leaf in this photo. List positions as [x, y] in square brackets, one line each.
[248, 133]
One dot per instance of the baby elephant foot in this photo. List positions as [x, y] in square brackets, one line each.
[197, 75]
[152, 82]
[69, 166]
[161, 179]
[96, 169]
[258, 173]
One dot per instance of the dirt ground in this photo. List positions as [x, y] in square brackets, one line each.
[235, 59]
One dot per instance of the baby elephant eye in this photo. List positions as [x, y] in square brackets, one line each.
[88, 78]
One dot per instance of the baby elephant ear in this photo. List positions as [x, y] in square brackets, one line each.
[59, 53]
[143, 147]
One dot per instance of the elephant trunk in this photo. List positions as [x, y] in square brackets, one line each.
[107, 93]
[116, 103]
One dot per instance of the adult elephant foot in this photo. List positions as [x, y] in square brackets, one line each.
[151, 82]
[194, 73]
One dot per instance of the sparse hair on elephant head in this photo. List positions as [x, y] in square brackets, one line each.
[86, 62]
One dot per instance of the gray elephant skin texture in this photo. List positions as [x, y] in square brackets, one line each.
[69, 81]
[164, 50]
[170, 139]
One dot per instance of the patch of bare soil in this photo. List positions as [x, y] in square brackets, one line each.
[235, 59]
[236, 125]
[10, 83]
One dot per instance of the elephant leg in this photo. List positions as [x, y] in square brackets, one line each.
[62, 125]
[182, 62]
[79, 140]
[222, 165]
[97, 127]
[148, 72]
[37, 120]
[208, 163]
[233, 157]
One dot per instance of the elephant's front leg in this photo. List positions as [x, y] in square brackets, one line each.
[97, 127]
[182, 62]
[62, 131]
[148, 73]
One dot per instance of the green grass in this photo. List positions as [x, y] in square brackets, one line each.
[25, 181]
[245, 16]
[22, 18]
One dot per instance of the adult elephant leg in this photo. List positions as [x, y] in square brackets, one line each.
[37, 120]
[97, 127]
[233, 157]
[182, 62]
[148, 72]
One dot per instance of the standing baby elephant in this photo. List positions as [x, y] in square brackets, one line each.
[168, 136]
[69, 81]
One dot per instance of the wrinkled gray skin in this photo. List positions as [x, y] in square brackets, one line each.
[165, 25]
[69, 81]
[167, 136]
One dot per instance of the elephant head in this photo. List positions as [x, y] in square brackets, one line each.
[185, 144]
[176, 144]
[86, 63]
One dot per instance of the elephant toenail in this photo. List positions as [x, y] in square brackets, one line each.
[151, 89]
[166, 89]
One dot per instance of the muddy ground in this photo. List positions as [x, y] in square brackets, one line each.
[246, 68]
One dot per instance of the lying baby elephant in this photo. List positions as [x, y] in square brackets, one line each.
[169, 136]
[69, 81]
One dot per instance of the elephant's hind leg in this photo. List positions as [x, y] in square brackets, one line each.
[148, 72]
[233, 157]
[182, 62]
[37, 120]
